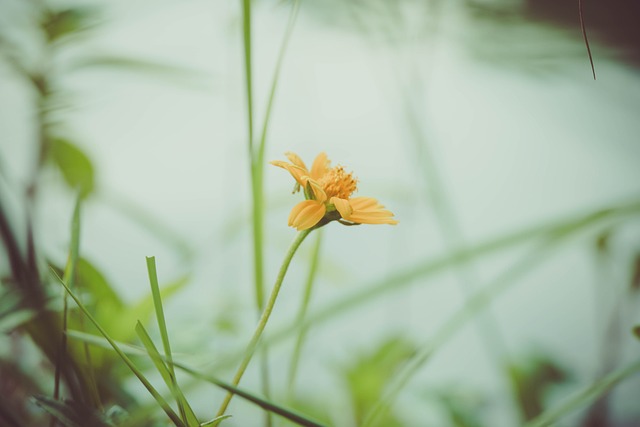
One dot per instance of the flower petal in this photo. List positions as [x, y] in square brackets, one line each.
[365, 203]
[306, 214]
[342, 206]
[320, 166]
[296, 160]
[367, 210]
[373, 217]
[299, 174]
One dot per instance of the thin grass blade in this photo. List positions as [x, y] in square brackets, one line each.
[187, 414]
[167, 374]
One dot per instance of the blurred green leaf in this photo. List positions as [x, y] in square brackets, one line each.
[15, 319]
[215, 421]
[368, 375]
[463, 408]
[313, 406]
[183, 76]
[71, 414]
[77, 169]
[585, 396]
[635, 276]
[122, 327]
[66, 22]
[12, 314]
[90, 279]
[531, 380]
[636, 331]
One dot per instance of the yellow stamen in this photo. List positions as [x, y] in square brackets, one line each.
[338, 183]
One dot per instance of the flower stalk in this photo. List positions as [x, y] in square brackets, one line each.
[264, 318]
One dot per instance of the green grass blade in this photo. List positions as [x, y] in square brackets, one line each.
[257, 163]
[264, 404]
[101, 342]
[585, 396]
[165, 406]
[168, 375]
[215, 421]
[70, 278]
[157, 303]
[162, 326]
[274, 83]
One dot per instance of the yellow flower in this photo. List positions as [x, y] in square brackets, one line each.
[328, 193]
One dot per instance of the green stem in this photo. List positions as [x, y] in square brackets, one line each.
[257, 172]
[302, 313]
[246, 37]
[264, 318]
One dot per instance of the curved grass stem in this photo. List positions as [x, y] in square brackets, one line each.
[264, 318]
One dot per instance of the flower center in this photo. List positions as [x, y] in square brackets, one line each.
[338, 183]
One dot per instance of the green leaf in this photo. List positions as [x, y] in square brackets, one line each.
[123, 325]
[66, 22]
[12, 315]
[77, 169]
[462, 410]
[92, 280]
[15, 319]
[183, 76]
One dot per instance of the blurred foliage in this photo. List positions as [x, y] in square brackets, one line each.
[58, 24]
[532, 378]
[368, 374]
[40, 52]
[75, 166]
[72, 414]
[462, 408]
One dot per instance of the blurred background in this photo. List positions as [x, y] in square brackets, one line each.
[510, 283]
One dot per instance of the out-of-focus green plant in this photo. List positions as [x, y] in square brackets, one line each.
[462, 407]
[532, 379]
[368, 375]
[41, 52]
